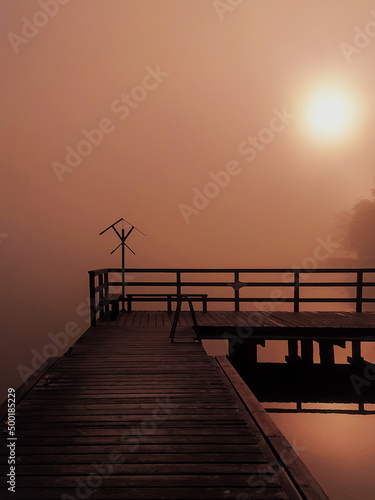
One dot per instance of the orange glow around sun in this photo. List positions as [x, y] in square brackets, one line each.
[329, 114]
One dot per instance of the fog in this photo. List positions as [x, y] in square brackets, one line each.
[185, 118]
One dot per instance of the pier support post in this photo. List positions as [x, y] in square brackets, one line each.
[355, 358]
[307, 352]
[92, 298]
[244, 355]
[292, 356]
[326, 353]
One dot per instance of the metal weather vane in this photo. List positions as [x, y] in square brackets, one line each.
[123, 237]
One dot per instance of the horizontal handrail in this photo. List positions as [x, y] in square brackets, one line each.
[233, 270]
[101, 280]
[254, 284]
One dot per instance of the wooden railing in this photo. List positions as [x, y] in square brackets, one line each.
[100, 284]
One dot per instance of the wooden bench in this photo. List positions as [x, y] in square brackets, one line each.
[169, 297]
[113, 300]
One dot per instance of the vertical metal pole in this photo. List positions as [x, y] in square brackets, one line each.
[178, 285]
[358, 307]
[292, 356]
[236, 292]
[123, 268]
[356, 358]
[296, 291]
[92, 298]
[326, 353]
[307, 352]
[101, 312]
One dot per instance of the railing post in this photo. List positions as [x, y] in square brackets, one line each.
[178, 282]
[92, 298]
[296, 291]
[307, 352]
[106, 283]
[292, 356]
[204, 303]
[236, 292]
[106, 290]
[358, 307]
[101, 312]
[355, 358]
[129, 302]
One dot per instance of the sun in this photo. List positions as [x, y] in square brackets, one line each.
[329, 113]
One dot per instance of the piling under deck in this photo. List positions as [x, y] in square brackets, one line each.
[128, 415]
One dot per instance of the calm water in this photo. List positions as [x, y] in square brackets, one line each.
[339, 450]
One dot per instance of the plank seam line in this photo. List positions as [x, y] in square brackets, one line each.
[274, 450]
[263, 434]
[23, 390]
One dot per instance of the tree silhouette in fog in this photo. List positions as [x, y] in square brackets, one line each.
[357, 230]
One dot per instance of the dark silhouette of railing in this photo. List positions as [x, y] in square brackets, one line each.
[291, 279]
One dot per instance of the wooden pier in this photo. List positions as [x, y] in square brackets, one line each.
[130, 415]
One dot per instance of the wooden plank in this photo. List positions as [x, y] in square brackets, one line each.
[203, 319]
[140, 399]
[137, 318]
[185, 319]
[151, 440]
[206, 457]
[144, 318]
[189, 417]
[26, 387]
[159, 318]
[167, 319]
[320, 319]
[149, 481]
[144, 469]
[158, 431]
[215, 318]
[301, 477]
[165, 493]
[141, 449]
[103, 395]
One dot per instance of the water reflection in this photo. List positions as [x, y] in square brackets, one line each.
[327, 408]
[300, 384]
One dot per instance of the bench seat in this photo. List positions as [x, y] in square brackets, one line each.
[113, 300]
[169, 297]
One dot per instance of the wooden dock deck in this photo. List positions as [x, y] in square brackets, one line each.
[284, 319]
[276, 324]
[128, 415]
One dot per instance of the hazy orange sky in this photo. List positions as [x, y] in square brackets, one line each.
[203, 77]
[216, 77]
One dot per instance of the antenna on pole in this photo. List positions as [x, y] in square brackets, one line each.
[122, 244]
